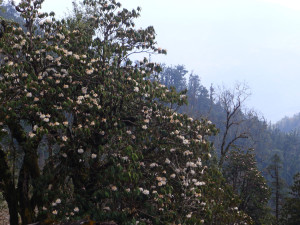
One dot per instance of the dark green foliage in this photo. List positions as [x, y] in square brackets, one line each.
[277, 184]
[240, 171]
[198, 97]
[287, 145]
[290, 213]
[200, 103]
[174, 77]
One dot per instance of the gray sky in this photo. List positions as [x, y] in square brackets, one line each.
[224, 41]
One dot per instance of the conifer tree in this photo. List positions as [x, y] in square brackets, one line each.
[290, 210]
[241, 172]
[277, 184]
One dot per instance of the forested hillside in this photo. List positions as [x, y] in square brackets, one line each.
[250, 130]
[239, 129]
[288, 124]
[85, 132]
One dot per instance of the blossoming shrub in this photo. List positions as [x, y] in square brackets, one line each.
[112, 149]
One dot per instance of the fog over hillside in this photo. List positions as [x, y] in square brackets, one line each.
[288, 124]
[252, 41]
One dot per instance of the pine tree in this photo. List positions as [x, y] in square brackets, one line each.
[277, 184]
[291, 208]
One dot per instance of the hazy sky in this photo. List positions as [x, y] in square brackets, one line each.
[224, 41]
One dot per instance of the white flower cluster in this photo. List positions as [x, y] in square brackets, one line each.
[152, 165]
[47, 21]
[44, 117]
[161, 181]
[80, 151]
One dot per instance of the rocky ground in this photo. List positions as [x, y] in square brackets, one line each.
[4, 219]
[4, 216]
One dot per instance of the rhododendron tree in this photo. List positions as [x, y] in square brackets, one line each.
[93, 129]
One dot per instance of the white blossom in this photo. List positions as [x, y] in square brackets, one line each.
[49, 57]
[145, 192]
[61, 36]
[35, 127]
[106, 208]
[88, 72]
[185, 141]
[64, 138]
[167, 161]
[80, 151]
[76, 56]
[189, 215]
[31, 135]
[153, 165]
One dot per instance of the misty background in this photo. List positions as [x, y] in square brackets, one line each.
[251, 41]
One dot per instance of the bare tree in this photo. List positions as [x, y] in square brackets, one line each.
[235, 123]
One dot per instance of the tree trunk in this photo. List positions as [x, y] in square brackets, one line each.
[8, 188]
[26, 211]
[29, 172]
[12, 202]
[277, 194]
